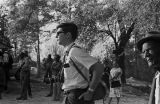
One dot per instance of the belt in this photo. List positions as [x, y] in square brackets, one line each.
[75, 90]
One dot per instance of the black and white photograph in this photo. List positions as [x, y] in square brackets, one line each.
[79, 51]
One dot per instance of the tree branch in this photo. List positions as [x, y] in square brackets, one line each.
[109, 34]
[125, 37]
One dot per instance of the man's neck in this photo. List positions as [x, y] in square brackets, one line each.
[68, 44]
[67, 48]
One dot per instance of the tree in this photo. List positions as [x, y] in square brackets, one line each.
[119, 30]
[98, 20]
[4, 41]
[86, 14]
[25, 14]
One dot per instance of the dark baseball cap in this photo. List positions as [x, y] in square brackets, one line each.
[150, 36]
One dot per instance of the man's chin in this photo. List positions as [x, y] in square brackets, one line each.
[61, 44]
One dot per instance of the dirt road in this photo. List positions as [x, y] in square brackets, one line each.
[39, 90]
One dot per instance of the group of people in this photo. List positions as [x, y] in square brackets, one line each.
[76, 89]
[6, 62]
[53, 67]
[112, 77]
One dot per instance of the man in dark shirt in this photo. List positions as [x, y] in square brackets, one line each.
[48, 74]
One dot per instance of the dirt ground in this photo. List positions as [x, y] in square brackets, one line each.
[130, 95]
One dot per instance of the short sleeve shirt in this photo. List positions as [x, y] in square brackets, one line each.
[72, 78]
[114, 71]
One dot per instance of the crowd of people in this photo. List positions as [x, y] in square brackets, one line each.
[77, 74]
[53, 67]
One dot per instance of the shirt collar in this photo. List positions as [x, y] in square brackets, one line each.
[67, 48]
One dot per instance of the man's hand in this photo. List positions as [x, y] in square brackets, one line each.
[86, 95]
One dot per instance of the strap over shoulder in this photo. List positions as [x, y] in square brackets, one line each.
[76, 46]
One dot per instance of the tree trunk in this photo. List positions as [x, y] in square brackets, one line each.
[120, 54]
[122, 66]
[120, 59]
[38, 57]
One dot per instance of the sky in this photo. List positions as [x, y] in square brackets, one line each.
[1, 1]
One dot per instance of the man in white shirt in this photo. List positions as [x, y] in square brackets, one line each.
[76, 88]
[150, 48]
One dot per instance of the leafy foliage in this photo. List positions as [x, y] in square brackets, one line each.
[107, 23]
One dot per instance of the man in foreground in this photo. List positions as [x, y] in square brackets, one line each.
[150, 48]
[77, 90]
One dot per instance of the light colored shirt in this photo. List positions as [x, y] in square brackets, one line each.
[114, 71]
[72, 78]
[157, 89]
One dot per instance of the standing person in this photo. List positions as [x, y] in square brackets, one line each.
[2, 74]
[10, 62]
[106, 73]
[6, 67]
[115, 83]
[48, 73]
[150, 48]
[29, 81]
[76, 89]
[56, 67]
[24, 76]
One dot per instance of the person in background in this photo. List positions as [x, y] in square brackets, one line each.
[115, 83]
[24, 63]
[29, 81]
[149, 46]
[2, 74]
[6, 67]
[8, 61]
[106, 73]
[48, 74]
[56, 68]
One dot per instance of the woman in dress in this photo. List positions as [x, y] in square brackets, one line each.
[115, 83]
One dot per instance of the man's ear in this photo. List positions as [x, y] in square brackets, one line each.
[69, 35]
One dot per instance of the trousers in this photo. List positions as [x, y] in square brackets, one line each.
[71, 97]
[25, 84]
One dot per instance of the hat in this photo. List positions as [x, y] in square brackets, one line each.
[150, 36]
